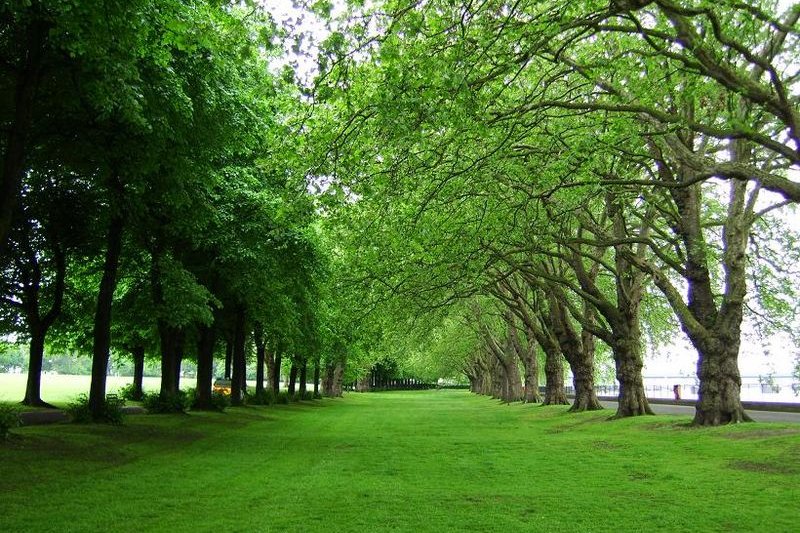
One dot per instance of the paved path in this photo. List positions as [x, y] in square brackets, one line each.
[688, 410]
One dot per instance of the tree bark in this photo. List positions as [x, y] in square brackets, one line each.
[238, 356]
[102, 318]
[39, 325]
[137, 352]
[713, 329]
[14, 158]
[578, 354]
[303, 378]
[554, 392]
[332, 380]
[261, 348]
[338, 379]
[720, 384]
[205, 366]
[274, 370]
[632, 400]
[292, 379]
[33, 388]
[228, 358]
[316, 377]
[527, 356]
[170, 338]
[180, 344]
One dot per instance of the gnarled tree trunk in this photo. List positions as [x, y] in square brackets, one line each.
[578, 354]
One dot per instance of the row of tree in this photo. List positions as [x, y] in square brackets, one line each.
[154, 194]
[586, 175]
[465, 186]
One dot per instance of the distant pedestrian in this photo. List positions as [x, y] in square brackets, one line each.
[676, 390]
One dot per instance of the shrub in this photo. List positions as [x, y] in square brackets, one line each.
[219, 400]
[317, 396]
[262, 397]
[9, 419]
[111, 413]
[177, 402]
[282, 397]
[129, 392]
[307, 395]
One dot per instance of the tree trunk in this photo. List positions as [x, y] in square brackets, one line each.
[205, 367]
[327, 381]
[179, 353]
[632, 400]
[530, 364]
[238, 356]
[102, 318]
[316, 378]
[303, 378]
[554, 393]
[338, 379]
[138, 372]
[512, 386]
[261, 349]
[33, 388]
[274, 370]
[718, 399]
[292, 379]
[228, 358]
[542, 328]
[15, 146]
[39, 325]
[579, 356]
[170, 338]
[332, 381]
[714, 329]
[364, 384]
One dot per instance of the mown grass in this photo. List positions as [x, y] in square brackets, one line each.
[416, 461]
[60, 389]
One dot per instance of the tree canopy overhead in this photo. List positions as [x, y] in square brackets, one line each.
[474, 189]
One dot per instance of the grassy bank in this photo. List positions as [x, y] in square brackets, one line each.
[417, 461]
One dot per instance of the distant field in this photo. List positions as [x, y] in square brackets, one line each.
[60, 389]
[434, 461]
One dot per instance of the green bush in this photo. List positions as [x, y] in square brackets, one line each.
[178, 402]
[307, 395]
[129, 392]
[219, 400]
[9, 419]
[262, 397]
[112, 413]
[282, 397]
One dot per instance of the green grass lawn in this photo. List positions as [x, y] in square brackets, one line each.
[415, 461]
[60, 389]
